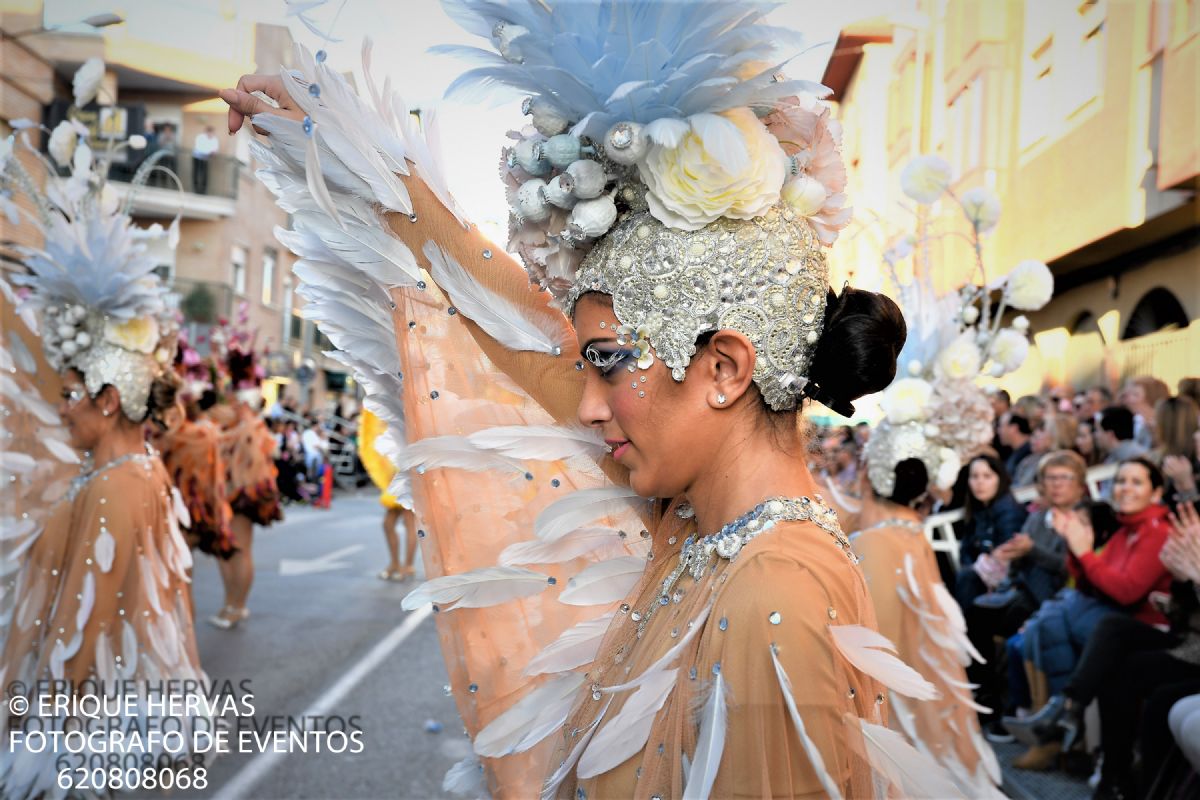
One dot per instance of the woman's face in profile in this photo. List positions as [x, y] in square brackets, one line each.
[660, 430]
[983, 482]
[1083, 440]
[83, 419]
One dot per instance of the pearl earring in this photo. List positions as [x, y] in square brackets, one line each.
[721, 399]
[104, 412]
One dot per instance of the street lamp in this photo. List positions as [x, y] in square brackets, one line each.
[95, 21]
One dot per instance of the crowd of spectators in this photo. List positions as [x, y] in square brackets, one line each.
[308, 446]
[1082, 592]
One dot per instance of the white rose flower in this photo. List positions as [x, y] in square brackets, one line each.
[63, 140]
[982, 207]
[1009, 349]
[690, 185]
[925, 178]
[1029, 286]
[960, 359]
[949, 465]
[905, 400]
[139, 334]
[87, 81]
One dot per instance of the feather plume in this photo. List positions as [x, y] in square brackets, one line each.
[316, 182]
[667, 658]
[604, 582]
[550, 788]
[453, 452]
[710, 745]
[958, 624]
[530, 719]
[577, 509]
[626, 733]
[466, 778]
[503, 321]
[912, 773]
[541, 442]
[573, 648]
[872, 653]
[593, 542]
[597, 62]
[63, 452]
[478, 588]
[87, 599]
[810, 747]
[987, 757]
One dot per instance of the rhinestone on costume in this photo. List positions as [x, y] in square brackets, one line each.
[716, 668]
[420, 534]
[636, 616]
[528, 476]
[624, 608]
[723, 624]
[434, 395]
[314, 90]
[307, 125]
[473, 688]
[320, 56]
[579, 365]
[832, 612]
[552, 580]
[580, 794]
[775, 618]
[555, 482]
[851, 693]
[879, 699]
[452, 311]
[692, 673]
[487, 253]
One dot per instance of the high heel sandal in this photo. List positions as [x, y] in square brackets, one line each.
[229, 617]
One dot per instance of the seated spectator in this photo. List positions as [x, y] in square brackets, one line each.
[1140, 395]
[1037, 569]
[1085, 443]
[1113, 577]
[1115, 436]
[992, 515]
[1057, 432]
[1128, 664]
[1177, 422]
[1015, 434]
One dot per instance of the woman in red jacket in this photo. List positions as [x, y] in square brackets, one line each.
[1117, 576]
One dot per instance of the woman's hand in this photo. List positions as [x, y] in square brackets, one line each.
[1076, 529]
[1181, 553]
[242, 103]
[1017, 547]
[1179, 470]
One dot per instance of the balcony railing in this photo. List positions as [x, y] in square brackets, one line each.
[216, 177]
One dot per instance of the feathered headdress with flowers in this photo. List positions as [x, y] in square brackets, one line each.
[103, 309]
[668, 163]
[938, 411]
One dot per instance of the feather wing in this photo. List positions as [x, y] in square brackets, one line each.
[810, 747]
[604, 582]
[626, 733]
[478, 588]
[872, 653]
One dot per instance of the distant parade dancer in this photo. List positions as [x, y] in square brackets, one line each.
[95, 585]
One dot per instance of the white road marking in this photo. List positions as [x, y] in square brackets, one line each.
[325, 563]
[245, 779]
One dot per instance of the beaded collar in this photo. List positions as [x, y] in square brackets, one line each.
[726, 543]
[84, 478]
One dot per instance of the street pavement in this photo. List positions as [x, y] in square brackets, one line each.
[323, 633]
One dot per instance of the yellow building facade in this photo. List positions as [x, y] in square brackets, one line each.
[1084, 119]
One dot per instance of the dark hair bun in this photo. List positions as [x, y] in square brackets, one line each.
[912, 480]
[862, 337]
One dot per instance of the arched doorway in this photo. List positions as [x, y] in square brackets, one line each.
[1158, 309]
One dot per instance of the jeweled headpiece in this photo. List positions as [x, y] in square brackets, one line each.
[103, 309]
[679, 172]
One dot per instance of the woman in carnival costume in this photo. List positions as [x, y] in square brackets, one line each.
[698, 625]
[248, 450]
[190, 448]
[936, 418]
[95, 573]
[378, 444]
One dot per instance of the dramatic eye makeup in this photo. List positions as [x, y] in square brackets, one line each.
[606, 357]
[72, 395]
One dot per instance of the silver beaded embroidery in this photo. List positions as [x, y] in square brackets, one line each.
[766, 278]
